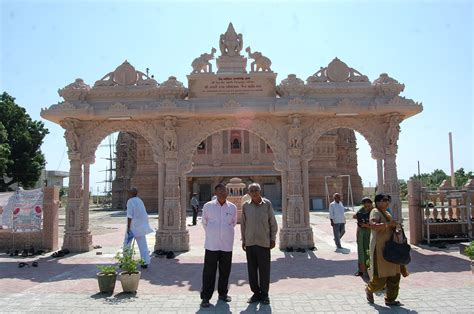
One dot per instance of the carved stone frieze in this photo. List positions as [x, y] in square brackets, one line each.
[118, 106]
[168, 104]
[296, 101]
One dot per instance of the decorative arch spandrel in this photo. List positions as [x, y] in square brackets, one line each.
[372, 128]
[89, 134]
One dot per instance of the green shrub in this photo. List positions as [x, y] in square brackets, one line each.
[127, 262]
[469, 250]
[107, 269]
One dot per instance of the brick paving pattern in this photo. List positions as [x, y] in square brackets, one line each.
[322, 281]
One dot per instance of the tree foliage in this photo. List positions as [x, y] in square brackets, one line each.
[433, 180]
[21, 159]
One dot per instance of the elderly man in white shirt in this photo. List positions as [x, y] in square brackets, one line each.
[137, 225]
[219, 218]
[338, 220]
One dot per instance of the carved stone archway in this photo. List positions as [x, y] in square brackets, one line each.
[290, 117]
[83, 138]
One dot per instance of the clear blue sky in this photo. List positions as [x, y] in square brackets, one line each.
[427, 45]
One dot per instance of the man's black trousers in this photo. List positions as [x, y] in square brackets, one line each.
[258, 266]
[195, 215]
[213, 260]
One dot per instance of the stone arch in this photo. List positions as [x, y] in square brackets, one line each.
[91, 133]
[371, 129]
[201, 129]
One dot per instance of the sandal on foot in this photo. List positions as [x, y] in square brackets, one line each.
[393, 303]
[205, 303]
[370, 296]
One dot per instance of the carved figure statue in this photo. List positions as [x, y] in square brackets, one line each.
[107, 80]
[202, 62]
[70, 135]
[393, 130]
[230, 43]
[261, 62]
[170, 141]
[294, 135]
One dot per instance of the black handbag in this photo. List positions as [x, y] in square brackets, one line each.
[397, 253]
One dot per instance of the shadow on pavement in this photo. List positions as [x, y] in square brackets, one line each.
[119, 298]
[173, 272]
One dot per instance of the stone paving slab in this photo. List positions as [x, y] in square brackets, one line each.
[314, 282]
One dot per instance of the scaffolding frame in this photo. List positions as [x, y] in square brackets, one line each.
[350, 199]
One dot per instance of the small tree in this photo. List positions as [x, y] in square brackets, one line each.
[21, 159]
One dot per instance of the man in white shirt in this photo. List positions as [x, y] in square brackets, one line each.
[338, 220]
[137, 225]
[219, 218]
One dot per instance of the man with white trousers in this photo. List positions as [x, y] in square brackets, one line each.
[137, 225]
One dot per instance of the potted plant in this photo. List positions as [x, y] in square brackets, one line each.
[130, 276]
[106, 277]
[469, 250]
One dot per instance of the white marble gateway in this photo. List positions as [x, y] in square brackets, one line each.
[173, 119]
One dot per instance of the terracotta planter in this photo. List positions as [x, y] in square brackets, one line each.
[106, 282]
[130, 281]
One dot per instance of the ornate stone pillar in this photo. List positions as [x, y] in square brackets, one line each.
[184, 204]
[77, 237]
[284, 196]
[297, 232]
[172, 236]
[391, 185]
[306, 190]
[415, 212]
[378, 156]
[161, 183]
[85, 194]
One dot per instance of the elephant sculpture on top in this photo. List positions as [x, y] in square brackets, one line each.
[202, 62]
[261, 62]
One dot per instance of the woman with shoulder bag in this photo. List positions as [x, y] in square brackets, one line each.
[383, 274]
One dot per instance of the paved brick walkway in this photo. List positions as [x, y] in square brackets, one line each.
[321, 281]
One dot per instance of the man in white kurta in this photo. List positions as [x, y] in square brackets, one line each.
[137, 225]
[219, 218]
[338, 220]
